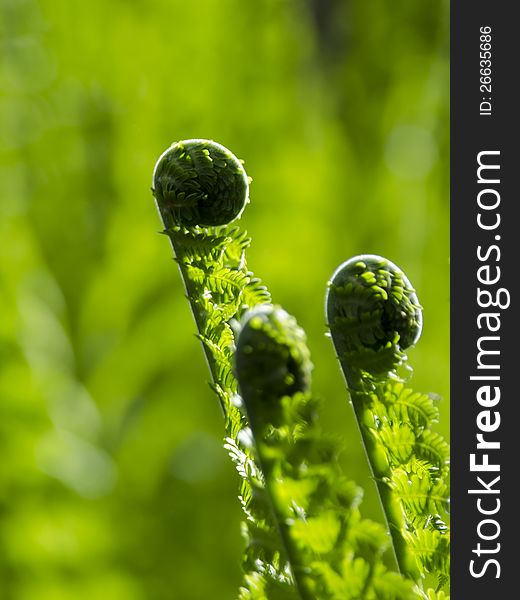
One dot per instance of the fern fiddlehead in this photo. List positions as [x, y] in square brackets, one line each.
[333, 552]
[199, 183]
[200, 186]
[374, 315]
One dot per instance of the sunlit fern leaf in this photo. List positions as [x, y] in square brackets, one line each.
[433, 595]
[368, 538]
[198, 245]
[425, 542]
[389, 586]
[294, 492]
[349, 583]
[253, 587]
[403, 404]
[221, 353]
[254, 293]
[216, 326]
[220, 283]
[413, 492]
[422, 468]
[259, 585]
[237, 242]
[245, 465]
[433, 447]
[227, 284]
[421, 497]
[399, 440]
[439, 499]
[222, 357]
[318, 534]
[431, 550]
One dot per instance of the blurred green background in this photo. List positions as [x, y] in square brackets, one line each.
[113, 482]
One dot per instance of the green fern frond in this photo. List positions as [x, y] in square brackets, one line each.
[200, 245]
[237, 242]
[199, 183]
[333, 552]
[399, 441]
[227, 284]
[374, 316]
[432, 447]
[389, 586]
[305, 538]
[418, 495]
[431, 549]
[199, 186]
[254, 293]
[405, 405]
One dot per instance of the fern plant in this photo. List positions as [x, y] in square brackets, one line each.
[305, 536]
[333, 552]
[374, 315]
[199, 186]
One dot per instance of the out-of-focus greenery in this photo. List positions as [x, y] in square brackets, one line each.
[113, 482]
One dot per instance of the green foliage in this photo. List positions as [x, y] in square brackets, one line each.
[333, 552]
[109, 433]
[374, 315]
[302, 524]
[220, 288]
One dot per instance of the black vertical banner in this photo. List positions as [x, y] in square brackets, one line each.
[485, 238]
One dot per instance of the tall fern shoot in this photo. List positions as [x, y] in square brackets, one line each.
[200, 186]
[374, 316]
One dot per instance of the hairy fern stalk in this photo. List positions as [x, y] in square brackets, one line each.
[304, 532]
[374, 316]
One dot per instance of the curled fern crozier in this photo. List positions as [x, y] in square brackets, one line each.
[373, 313]
[199, 182]
[272, 359]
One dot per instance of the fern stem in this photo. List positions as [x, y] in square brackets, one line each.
[298, 570]
[379, 471]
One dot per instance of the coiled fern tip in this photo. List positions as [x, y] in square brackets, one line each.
[199, 182]
[373, 313]
[272, 359]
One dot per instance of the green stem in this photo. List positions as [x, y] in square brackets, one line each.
[298, 570]
[379, 469]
